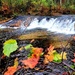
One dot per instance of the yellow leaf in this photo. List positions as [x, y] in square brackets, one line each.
[64, 54]
[16, 62]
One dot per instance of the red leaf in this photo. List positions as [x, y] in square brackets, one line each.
[37, 51]
[73, 60]
[11, 70]
[66, 73]
[31, 62]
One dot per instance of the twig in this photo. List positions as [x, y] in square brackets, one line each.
[68, 66]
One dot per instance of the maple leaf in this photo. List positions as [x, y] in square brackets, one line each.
[64, 54]
[11, 70]
[31, 62]
[46, 61]
[37, 51]
[34, 58]
[49, 56]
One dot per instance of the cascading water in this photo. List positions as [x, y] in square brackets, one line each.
[63, 24]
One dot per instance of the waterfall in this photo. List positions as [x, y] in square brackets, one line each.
[63, 24]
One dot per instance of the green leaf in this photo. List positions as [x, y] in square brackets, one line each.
[28, 46]
[9, 46]
[72, 66]
[57, 57]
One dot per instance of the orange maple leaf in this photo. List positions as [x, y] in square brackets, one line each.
[31, 62]
[11, 70]
[49, 56]
[37, 51]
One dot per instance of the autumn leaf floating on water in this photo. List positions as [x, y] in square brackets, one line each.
[32, 61]
[11, 70]
[53, 55]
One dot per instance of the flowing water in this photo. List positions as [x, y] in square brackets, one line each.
[62, 24]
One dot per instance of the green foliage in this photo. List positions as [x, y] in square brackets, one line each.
[28, 46]
[9, 46]
[57, 57]
[72, 6]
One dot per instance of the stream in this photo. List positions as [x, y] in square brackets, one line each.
[64, 24]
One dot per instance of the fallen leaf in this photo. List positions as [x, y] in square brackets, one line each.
[46, 61]
[51, 48]
[49, 57]
[57, 57]
[37, 51]
[66, 73]
[31, 62]
[9, 47]
[11, 70]
[29, 46]
[64, 54]
[73, 60]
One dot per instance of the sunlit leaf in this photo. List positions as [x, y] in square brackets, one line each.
[9, 47]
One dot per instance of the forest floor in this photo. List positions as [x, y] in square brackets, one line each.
[52, 68]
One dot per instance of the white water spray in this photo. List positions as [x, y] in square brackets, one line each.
[54, 25]
[58, 25]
